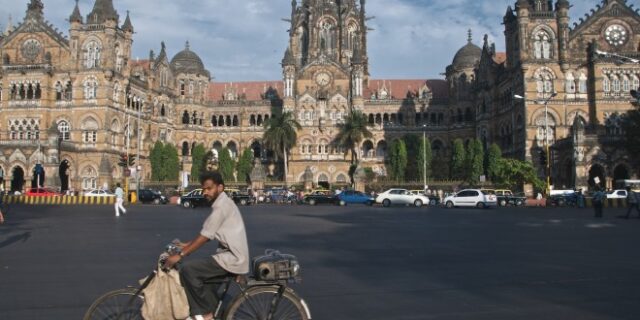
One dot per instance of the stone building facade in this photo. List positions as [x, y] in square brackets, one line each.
[69, 102]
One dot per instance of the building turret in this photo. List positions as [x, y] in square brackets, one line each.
[127, 26]
[562, 16]
[103, 11]
[75, 17]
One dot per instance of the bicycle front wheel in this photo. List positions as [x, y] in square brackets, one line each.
[117, 305]
[255, 304]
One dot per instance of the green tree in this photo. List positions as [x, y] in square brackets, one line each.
[245, 164]
[493, 157]
[281, 134]
[226, 165]
[155, 157]
[458, 170]
[352, 132]
[631, 128]
[514, 174]
[474, 162]
[414, 150]
[170, 163]
[397, 164]
[198, 155]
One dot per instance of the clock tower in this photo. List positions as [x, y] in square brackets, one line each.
[325, 71]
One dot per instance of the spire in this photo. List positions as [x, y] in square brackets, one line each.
[127, 26]
[470, 36]
[103, 10]
[9, 28]
[563, 4]
[187, 46]
[35, 9]
[75, 15]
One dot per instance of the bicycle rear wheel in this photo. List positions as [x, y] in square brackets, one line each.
[255, 304]
[116, 303]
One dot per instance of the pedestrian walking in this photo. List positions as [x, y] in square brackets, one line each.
[119, 200]
[633, 201]
[598, 199]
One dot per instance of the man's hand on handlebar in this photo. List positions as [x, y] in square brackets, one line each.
[172, 261]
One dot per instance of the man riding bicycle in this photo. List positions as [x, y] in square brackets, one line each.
[225, 225]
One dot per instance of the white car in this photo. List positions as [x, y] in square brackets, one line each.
[471, 198]
[402, 197]
[98, 193]
[617, 194]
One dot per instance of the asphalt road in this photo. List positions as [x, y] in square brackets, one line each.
[357, 262]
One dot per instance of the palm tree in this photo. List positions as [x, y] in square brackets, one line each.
[352, 132]
[281, 134]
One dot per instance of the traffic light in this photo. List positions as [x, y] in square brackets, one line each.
[543, 158]
[127, 161]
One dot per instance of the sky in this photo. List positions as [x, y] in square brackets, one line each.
[245, 40]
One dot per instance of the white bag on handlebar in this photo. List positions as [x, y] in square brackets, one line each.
[164, 298]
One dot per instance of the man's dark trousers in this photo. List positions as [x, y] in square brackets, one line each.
[195, 276]
[631, 206]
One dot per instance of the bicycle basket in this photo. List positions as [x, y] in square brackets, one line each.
[275, 266]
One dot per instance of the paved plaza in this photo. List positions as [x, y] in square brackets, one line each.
[358, 262]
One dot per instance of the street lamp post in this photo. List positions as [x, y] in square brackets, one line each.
[424, 154]
[546, 137]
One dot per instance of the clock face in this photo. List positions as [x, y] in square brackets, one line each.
[31, 49]
[323, 79]
[616, 35]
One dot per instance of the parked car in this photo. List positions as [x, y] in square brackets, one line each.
[98, 193]
[471, 198]
[151, 196]
[401, 197]
[41, 192]
[354, 197]
[433, 199]
[564, 199]
[320, 197]
[239, 197]
[506, 197]
[192, 199]
[617, 194]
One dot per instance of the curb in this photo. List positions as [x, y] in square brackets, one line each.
[59, 200]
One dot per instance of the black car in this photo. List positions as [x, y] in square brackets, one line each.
[321, 197]
[241, 198]
[193, 199]
[151, 196]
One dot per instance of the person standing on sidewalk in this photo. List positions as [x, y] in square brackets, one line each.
[598, 199]
[632, 199]
[119, 200]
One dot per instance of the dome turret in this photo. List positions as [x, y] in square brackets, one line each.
[187, 61]
[468, 56]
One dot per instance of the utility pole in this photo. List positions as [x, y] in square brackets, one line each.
[138, 166]
[424, 154]
[126, 176]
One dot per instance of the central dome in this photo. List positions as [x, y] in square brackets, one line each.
[187, 61]
[468, 56]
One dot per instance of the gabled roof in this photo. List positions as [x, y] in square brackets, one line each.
[400, 88]
[601, 10]
[250, 91]
[145, 64]
[35, 22]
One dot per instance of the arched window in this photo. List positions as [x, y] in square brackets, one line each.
[236, 123]
[185, 149]
[89, 178]
[92, 52]
[542, 45]
[214, 120]
[326, 36]
[59, 91]
[163, 112]
[116, 92]
[606, 85]
[626, 84]
[615, 82]
[185, 117]
[90, 88]
[252, 120]
[64, 130]
[119, 59]
[544, 84]
[570, 82]
[582, 83]
[548, 125]
[353, 37]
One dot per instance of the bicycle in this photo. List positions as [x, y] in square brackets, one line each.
[265, 295]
